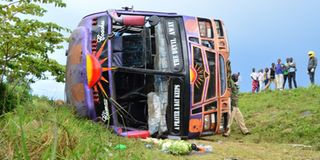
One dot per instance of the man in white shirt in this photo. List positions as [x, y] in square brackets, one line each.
[260, 79]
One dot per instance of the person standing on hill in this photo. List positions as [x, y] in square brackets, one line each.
[260, 79]
[255, 82]
[273, 75]
[292, 73]
[235, 111]
[279, 75]
[266, 77]
[312, 65]
[285, 73]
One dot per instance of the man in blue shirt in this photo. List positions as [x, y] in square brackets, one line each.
[279, 75]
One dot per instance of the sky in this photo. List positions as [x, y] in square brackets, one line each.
[259, 31]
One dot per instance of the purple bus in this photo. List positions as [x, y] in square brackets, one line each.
[150, 73]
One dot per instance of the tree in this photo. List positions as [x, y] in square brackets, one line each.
[26, 43]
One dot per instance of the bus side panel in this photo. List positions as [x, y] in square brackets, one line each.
[179, 88]
[175, 108]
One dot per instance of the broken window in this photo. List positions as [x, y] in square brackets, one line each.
[146, 57]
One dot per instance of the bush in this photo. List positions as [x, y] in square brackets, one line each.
[11, 96]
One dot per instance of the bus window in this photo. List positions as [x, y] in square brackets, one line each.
[205, 28]
[219, 28]
[207, 122]
[208, 43]
[210, 106]
[194, 39]
[199, 67]
[197, 110]
[212, 67]
[223, 81]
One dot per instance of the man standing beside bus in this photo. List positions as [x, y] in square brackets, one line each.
[312, 65]
[235, 111]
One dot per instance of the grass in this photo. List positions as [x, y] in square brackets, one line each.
[39, 131]
[277, 120]
[228, 149]
[290, 116]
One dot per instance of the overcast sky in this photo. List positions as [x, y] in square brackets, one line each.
[259, 31]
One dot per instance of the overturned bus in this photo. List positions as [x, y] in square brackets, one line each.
[150, 73]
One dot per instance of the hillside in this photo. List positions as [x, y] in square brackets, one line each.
[40, 130]
[284, 125]
[278, 121]
[290, 116]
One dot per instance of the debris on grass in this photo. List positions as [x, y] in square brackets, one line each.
[177, 147]
[301, 146]
[120, 147]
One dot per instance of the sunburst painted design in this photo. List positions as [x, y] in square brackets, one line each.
[94, 70]
[198, 78]
[103, 60]
[193, 75]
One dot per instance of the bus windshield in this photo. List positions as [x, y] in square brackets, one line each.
[146, 57]
[154, 47]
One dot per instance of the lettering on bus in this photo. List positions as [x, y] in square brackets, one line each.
[175, 45]
[101, 37]
[174, 49]
[176, 108]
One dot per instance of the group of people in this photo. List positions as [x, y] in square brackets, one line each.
[280, 73]
[277, 74]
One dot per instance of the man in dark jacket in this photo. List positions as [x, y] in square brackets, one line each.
[236, 113]
[273, 75]
[312, 65]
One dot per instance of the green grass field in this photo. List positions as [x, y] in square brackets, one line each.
[278, 121]
[38, 130]
[290, 116]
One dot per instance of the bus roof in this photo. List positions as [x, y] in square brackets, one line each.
[135, 12]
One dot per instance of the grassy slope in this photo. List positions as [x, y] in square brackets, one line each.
[291, 116]
[276, 119]
[40, 131]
